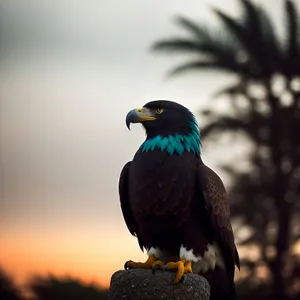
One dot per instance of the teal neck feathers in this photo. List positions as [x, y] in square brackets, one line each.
[176, 143]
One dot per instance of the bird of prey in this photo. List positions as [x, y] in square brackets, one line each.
[174, 204]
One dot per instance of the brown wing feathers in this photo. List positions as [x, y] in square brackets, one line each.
[124, 199]
[218, 207]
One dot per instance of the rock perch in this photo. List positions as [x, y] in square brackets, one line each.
[139, 284]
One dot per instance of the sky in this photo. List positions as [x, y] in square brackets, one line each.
[69, 73]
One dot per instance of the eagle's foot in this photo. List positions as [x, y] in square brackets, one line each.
[151, 263]
[181, 267]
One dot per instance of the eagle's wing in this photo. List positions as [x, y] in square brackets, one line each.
[218, 208]
[124, 201]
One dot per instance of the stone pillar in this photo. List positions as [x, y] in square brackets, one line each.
[139, 284]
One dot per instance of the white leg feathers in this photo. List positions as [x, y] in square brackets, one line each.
[211, 257]
[188, 254]
[154, 251]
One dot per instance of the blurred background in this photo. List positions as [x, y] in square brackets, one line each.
[69, 73]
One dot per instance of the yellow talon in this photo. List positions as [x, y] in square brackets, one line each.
[182, 266]
[188, 267]
[150, 263]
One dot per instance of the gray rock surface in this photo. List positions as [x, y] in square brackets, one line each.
[138, 284]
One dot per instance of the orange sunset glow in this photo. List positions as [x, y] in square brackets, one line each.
[60, 253]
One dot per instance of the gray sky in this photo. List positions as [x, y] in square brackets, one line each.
[72, 71]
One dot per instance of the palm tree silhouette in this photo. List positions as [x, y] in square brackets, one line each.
[51, 287]
[268, 195]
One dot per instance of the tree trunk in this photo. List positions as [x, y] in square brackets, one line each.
[279, 191]
[277, 265]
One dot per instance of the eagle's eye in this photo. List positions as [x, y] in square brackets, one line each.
[159, 110]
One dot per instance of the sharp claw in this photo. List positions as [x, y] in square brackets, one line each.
[181, 281]
[126, 264]
[156, 267]
[181, 267]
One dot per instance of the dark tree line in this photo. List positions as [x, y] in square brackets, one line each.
[50, 288]
[8, 290]
[264, 107]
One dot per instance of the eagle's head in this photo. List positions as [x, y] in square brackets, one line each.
[169, 126]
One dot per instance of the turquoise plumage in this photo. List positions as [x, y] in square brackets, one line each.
[176, 144]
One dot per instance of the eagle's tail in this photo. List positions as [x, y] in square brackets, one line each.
[221, 285]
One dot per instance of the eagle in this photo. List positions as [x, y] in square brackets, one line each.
[174, 204]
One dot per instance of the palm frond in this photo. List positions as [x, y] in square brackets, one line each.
[194, 66]
[269, 38]
[262, 35]
[181, 45]
[292, 54]
[220, 65]
[234, 27]
[251, 19]
[217, 39]
[216, 45]
[226, 57]
[292, 28]
[242, 35]
[198, 30]
[256, 35]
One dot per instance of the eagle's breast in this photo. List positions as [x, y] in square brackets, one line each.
[162, 187]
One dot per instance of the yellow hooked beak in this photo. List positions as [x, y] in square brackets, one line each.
[139, 115]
